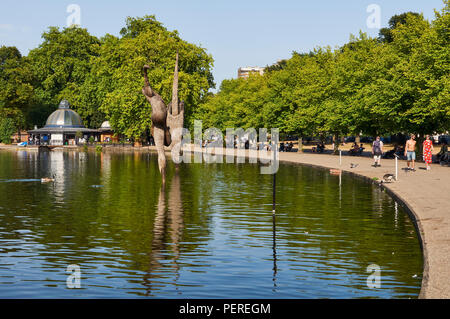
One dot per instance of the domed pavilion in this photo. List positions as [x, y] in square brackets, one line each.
[61, 128]
[107, 133]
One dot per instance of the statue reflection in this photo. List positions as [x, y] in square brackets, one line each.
[168, 221]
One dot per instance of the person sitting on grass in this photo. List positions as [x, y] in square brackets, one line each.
[355, 150]
[289, 147]
[320, 147]
[442, 156]
[399, 151]
[390, 154]
[361, 148]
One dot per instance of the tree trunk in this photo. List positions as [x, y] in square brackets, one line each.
[300, 144]
[336, 141]
[419, 147]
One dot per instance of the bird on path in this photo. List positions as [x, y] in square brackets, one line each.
[388, 178]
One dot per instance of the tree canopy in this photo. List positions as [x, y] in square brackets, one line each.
[102, 78]
[16, 90]
[397, 85]
[118, 80]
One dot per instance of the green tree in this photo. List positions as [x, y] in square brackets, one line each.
[118, 71]
[60, 65]
[238, 104]
[428, 71]
[16, 90]
[7, 128]
[385, 34]
[398, 85]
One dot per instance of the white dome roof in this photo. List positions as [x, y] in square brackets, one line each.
[105, 125]
[64, 117]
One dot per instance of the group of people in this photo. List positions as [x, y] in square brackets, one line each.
[320, 148]
[286, 147]
[410, 152]
[356, 149]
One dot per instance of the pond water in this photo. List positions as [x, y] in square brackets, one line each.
[209, 234]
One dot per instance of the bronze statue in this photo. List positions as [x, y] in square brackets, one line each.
[167, 121]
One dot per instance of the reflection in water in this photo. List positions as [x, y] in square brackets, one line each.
[274, 247]
[56, 167]
[105, 164]
[20, 180]
[396, 214]
[214, 240]
[340, 189]
[166, 221]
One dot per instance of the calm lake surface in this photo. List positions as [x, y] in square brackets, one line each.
[210, 234]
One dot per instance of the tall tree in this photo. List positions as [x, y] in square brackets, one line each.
[60, 65]
[119, 72]
[16, 90]
[385, 34]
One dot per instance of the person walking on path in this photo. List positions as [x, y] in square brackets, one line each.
[428, 151]
[410, 152]
[377, 151]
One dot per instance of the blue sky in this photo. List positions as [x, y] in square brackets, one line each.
[236, 33]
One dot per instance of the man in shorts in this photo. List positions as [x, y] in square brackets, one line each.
[410, 152]
[377, 151]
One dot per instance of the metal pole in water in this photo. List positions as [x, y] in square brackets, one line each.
[274, 188]
[340, 157]
[340, 189]
[274, 251]
[274, 183]
[274, 246]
